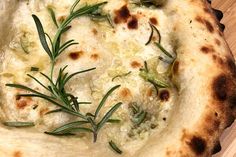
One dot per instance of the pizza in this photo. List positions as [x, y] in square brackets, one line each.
[131, 78]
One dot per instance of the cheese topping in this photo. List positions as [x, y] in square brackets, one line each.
[117, 53]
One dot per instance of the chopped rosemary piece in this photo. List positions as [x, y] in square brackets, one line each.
[65, 101]
[114, 147]
[122, 75]
[35, 107]
[138, 115]
[114, 121]
[152, 77]
[34, 69]
[149, 2]
[164, 50]
[24, 48]
[19, 124]
[53, 16]
[66, 127]
[164, 60]
[152, 33]
[54, 111]
[101, 17]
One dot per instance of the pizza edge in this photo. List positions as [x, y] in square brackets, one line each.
[203, 139]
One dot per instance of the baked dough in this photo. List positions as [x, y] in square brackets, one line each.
[187, 124]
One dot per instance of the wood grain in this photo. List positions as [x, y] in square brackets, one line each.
[228, 139]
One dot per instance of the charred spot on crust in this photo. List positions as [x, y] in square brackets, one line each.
[164, 95]
[133, 23]
[176, 67]
[198, 145]
[208, 25]
[21, 104]
[220, 87]
[94, 56]
[76, 55]
[61, 19]
[135, 64]
[18, 97]
[206, 9]
[218, 59]
[217, 42]
[94, 31]
[219, 14]
[43, 111]
[125, 93]
[222, 27]
[149, 92]
[122, 14]
[207, 49]
[17, 154]
[153, 20]
[230, 120]
[212, 124]
[214, 57]
[217, 148]
[231, 66]
[232, 101]
[216, 124]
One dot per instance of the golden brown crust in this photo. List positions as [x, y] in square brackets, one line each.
[203, 139]
[205, 74]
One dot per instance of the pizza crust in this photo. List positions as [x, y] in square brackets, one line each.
[205, 74]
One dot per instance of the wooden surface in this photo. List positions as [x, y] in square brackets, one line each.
[228, 139]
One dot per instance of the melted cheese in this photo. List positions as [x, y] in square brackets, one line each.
[111, 51]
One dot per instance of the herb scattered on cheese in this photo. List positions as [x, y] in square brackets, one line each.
[19, 124]
[58, 95]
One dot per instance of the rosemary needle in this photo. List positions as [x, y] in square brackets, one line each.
[115, 148]
[19, 124]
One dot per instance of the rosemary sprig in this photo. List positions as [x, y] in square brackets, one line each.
[19, 124]
[58, 95]
[115, 148]
[90, 118]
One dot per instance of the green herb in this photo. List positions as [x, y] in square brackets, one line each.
[102, 17]
[149, 2]
[158, 44]
[35, 106]
[164, 60]
[122, 75]
[19, 124]
[164, 50]
[152, 33]
[65, 101]
[34, 69]
[54, 111]
[152, 77]
[53, 16]
[24, 48]
[138, 115]
[114, 121]
[114, 147]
